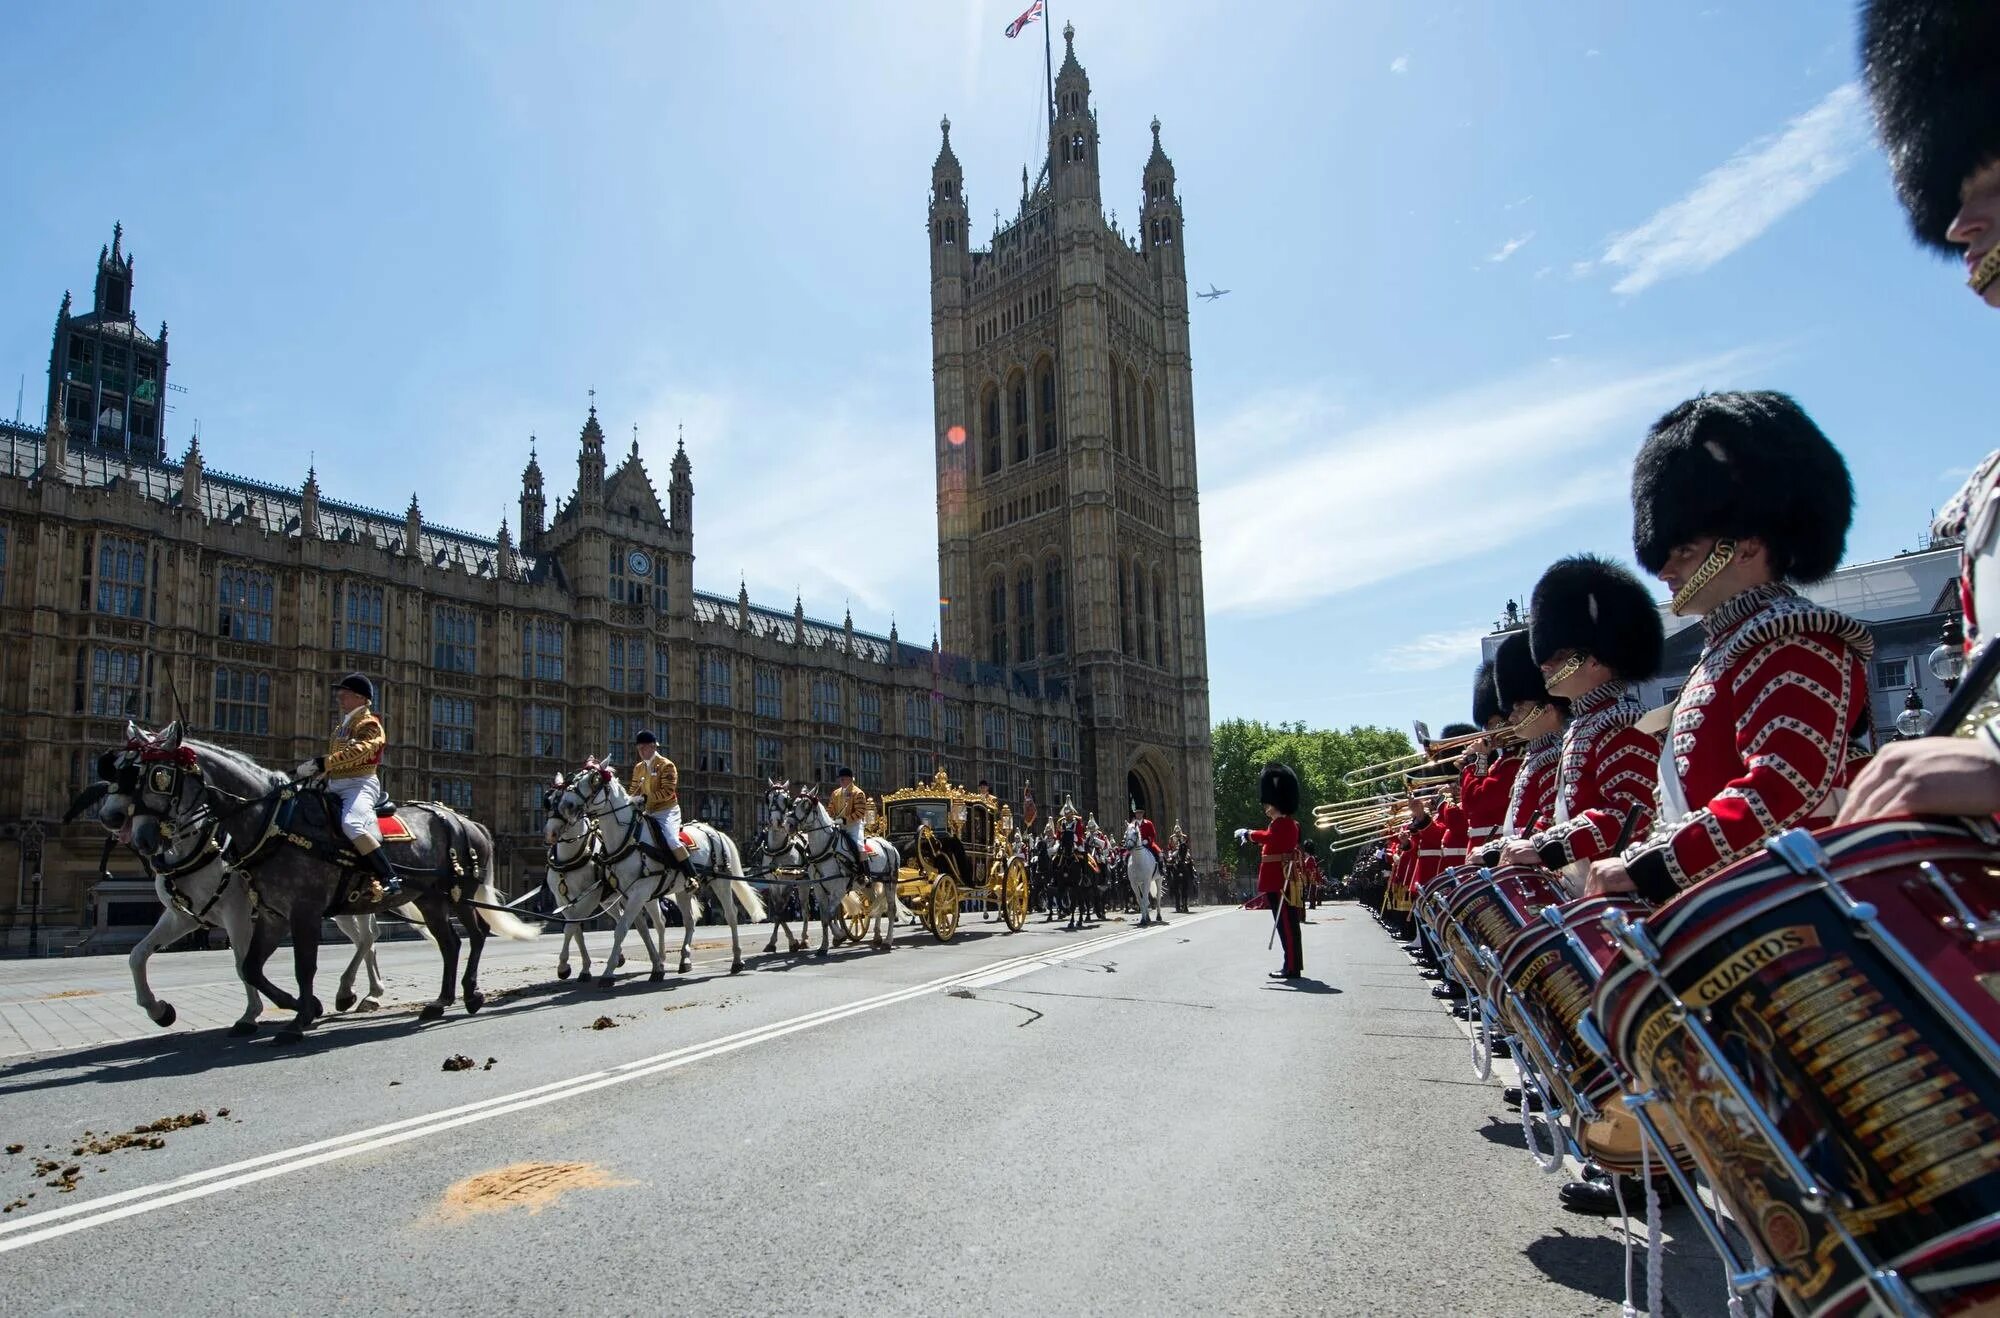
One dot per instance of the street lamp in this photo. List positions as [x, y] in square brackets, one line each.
[1947, 662]
[1914, 718]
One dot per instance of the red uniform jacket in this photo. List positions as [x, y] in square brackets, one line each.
[1609, 766]
[1431, 857]
[1149, 838]
[1457, 834]
[1484, 797]
[1281, 844]
[1531, 805]
[1773, 719]
[1404, 850]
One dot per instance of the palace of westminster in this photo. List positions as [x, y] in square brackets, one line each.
[1071, 660]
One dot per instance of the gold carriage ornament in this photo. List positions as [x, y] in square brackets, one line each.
[958, 849]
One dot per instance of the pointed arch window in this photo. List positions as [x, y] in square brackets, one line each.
[990, 438]
[1152, 445]
[1018, 390]
[1024, 616]
[1117, 421]
[1159, 630]
[1131, 410]
[1124, 610]
[1045, 391]
[1055, 640]
[1140, 639]
[996, 620]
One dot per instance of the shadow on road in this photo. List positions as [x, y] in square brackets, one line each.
[1594, 1265]
[1501, 1131]
[1307, 985]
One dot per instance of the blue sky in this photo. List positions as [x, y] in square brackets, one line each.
[1474, 249]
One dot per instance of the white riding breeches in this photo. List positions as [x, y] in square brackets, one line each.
[358, 799]
[669, 821]
[853, 832]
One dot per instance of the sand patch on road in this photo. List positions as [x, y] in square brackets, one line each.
[71, 993]
[530, 1185]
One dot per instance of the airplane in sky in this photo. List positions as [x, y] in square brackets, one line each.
[1212, 293]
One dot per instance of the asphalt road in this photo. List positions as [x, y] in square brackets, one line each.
[1107, 1122]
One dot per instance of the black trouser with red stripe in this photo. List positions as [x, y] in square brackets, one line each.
[1289, 920]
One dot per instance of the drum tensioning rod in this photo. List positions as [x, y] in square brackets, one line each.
[1888, 1288]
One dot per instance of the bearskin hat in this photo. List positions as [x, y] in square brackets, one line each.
[1279, 787]
[1515, 676]
[1742, 464]
[1458, 730]
[1485, 697]
[1933, 76]
[1593, 605]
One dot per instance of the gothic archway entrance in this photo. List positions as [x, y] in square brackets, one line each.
[1136, 793]
[1146, 788]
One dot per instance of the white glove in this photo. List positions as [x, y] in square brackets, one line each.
[310, 768]
[1242, 836]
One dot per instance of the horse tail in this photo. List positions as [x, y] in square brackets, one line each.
[747, 899]
[502, 923]
[416, 917]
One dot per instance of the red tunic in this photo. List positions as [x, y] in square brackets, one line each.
[1280, 842]
[1772, 721]
[1430, 853]
[1531, 805]
[1456, 832]
[1484, 797]
[1609, 766]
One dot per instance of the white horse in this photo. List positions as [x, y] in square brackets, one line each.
[1142, 871]
[596, 794]
[580, 889]
[780, 851]
[836, 875]
[198, 890]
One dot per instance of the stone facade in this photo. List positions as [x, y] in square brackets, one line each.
[1069, 536]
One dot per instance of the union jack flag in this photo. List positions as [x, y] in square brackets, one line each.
[1034, 12]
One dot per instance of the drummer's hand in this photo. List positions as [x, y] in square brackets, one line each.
[1608, 879]
[1928, 776]
[1519, 852]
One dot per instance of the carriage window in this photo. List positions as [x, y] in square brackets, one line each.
[542, 731]
[451, 724]
[243, 600]
[243, 702]
[454, 640]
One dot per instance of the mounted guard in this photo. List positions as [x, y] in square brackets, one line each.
[353, 753]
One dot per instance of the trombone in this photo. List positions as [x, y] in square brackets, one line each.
[1383, 770]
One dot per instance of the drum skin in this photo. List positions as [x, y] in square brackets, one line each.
[1489, 912]
[1868, 1043]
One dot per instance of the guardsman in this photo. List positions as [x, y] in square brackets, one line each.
[1735, 497]
[1487, 779]
[353, 753]
[656, 783]
[1177, 847]
[1935, 81]
[1537, 718]
[1278, 790]
[849, 806]
[1595, 632]
[1148, 836]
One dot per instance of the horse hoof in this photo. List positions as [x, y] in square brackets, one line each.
[657, 976]
[243, 1029]
[288, 1037]
[343, 1002]
[736, 966]
[619, 961]
[473, 1002]
[368, 1004]
[821, 954]
[432, 1011]
[562, 972]
[687, 966]
[166, 1015]
[604, 983]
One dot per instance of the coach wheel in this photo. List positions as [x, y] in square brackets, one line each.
[944, 908]
[1014, 896]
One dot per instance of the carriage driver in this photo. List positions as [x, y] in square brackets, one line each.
[352, 753]
[656, 782]
[850, 808]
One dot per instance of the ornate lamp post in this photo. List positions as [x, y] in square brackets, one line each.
[1914, 718]
[1947, 662]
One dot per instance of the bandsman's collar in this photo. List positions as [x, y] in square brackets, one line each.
[1738, 607]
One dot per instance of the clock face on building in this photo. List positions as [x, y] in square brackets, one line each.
[639, 564]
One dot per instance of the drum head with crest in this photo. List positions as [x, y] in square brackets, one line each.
[1858, 1018]
[1551, 968]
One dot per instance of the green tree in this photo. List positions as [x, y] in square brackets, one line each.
[1321, 757]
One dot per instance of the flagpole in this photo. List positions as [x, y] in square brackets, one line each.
[1049, 77]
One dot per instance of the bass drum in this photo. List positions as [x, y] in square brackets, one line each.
[1824, 1027]
[1550, 970]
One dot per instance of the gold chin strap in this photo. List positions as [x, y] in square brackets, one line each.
[1718, 558]
[1566, 672]
[1985, 272]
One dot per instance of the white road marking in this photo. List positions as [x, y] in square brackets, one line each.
[22, 1232]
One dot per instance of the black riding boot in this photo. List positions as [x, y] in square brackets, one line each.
[378, 861]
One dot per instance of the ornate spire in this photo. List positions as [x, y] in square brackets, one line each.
[504, 562]
[635, 441]
[947, 159]
[117, 240]
[532, 473]
[309, 505]
[413, 527]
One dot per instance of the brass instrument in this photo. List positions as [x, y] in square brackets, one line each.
[1400, 765]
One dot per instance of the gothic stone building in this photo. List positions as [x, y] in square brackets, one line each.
[1069, 539]
[132, 586]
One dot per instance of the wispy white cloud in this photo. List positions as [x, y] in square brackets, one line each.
[1558, 338]
[1740, 199]
[1400, 64]
[1378, 501]
[1432, 651]
[1511, 246]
